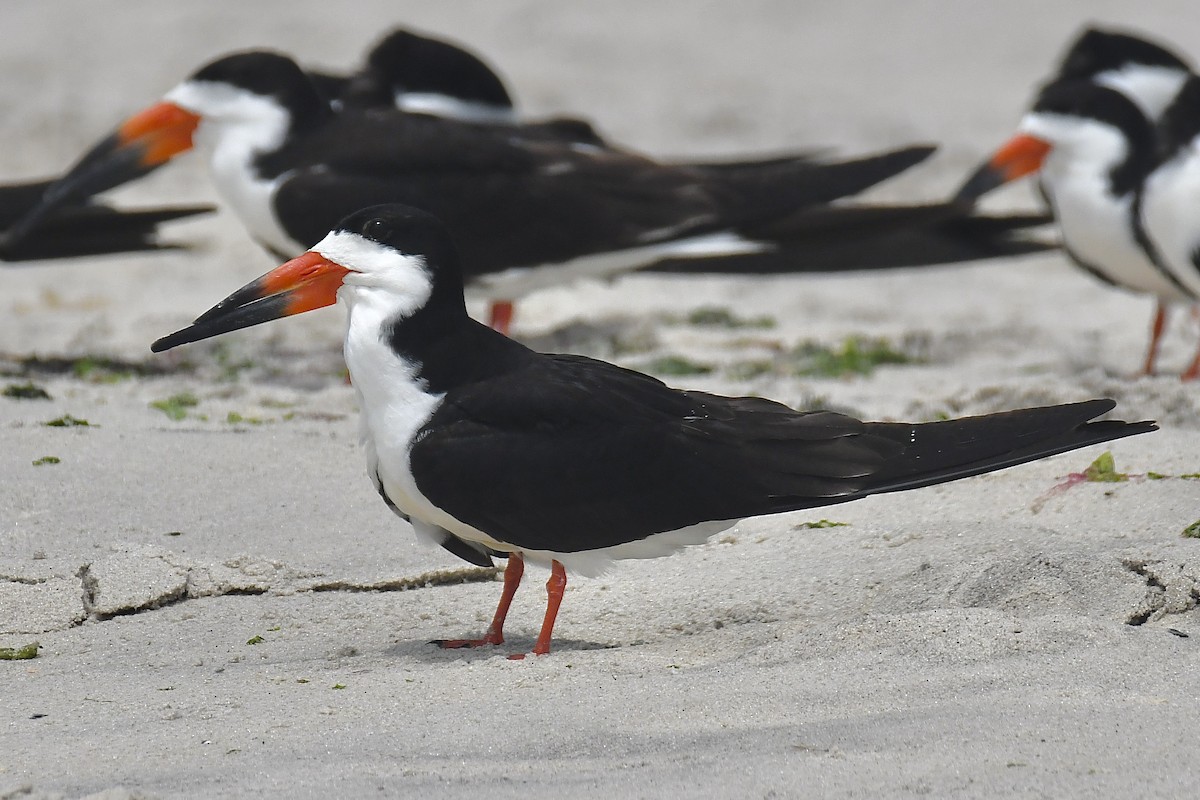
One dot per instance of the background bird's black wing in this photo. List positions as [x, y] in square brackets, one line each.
[507, 201]
[846, 238]
[81, 229]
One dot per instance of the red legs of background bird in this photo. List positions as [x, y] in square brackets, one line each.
[554, 595]
[500, 316]
[495, 631]
[1193, 370]
[1156, 332]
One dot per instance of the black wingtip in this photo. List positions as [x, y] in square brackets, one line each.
[94, 229]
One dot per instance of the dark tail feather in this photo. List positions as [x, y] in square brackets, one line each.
[774, 188]
[937, 452]
[90, 230]
[848, 238]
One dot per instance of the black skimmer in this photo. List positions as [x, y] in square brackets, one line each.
[526, 210]
[79, 229]
[489, 448]
[422, 74]
[1090, 142]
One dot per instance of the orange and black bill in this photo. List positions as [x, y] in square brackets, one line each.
[1020, 156]
[302, 284]
[140, 145]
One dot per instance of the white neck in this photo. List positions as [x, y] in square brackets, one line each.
[236, 127]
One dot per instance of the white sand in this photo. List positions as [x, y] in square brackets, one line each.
[947, 642]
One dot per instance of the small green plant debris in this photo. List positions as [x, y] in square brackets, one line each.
[26, 391]
[231, 368]
[44, 460]
[1156, 476]
[303, 680]
[676, 366]
[1192, 531]
[823, 523]
[19, 653]
[176, 406]
[173, 533]
[1191, 476]
[67, 421]
[855, 356]
[339, 686]
[100, 370]
[1104, 470]
[750, 369]
[234, 418]
[719, 317]
[255, 640]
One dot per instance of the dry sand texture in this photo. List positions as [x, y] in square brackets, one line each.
[947, 642]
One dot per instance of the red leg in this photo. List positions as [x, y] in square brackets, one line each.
[500, 316]
[1156, 332]
[495, 631]
[554, 595]
[1193, 370]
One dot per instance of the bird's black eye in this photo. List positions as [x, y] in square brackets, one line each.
[377, 229]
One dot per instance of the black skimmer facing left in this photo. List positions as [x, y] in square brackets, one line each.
[526, 210]
[1090, 142]
[489, 448]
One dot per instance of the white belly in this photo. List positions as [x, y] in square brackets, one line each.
[1098, 228]
[1171, 218]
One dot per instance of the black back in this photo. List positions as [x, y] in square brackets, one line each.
[1097, 51]
[272, 75]
[414, 62]
[1180, 123]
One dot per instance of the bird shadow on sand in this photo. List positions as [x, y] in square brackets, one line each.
[428, 652]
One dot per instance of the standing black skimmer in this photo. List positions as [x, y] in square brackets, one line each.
[489, 448]
[1092, 145]
[79, 228]
[526, 210]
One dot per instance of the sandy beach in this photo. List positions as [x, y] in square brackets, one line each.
[225, 608]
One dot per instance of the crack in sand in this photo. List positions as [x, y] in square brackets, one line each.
[1170, 590]
[89, 588]
[196, 582]
[426, 580]
[22, 580]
